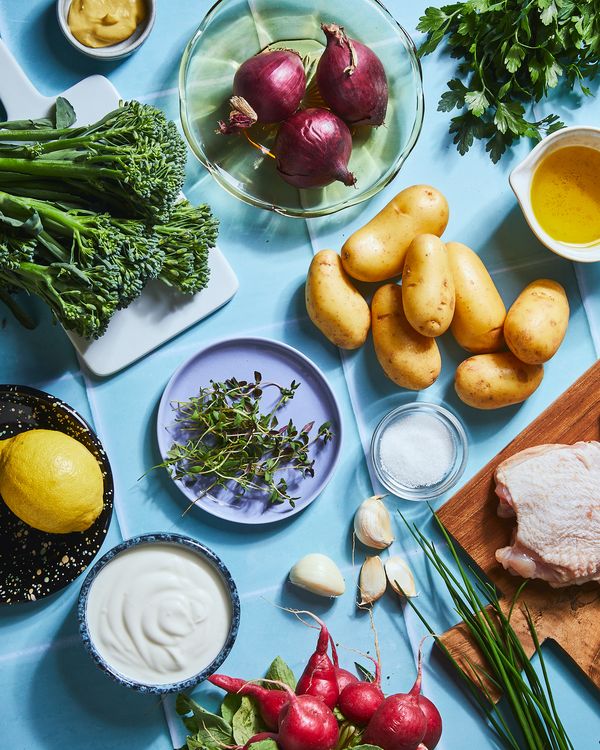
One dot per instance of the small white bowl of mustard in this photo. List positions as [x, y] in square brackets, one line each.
[106, 29]
[558, 188]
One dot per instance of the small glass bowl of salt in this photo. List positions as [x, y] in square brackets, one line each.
[419, 451]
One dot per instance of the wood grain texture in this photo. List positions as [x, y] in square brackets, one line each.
[570, 616]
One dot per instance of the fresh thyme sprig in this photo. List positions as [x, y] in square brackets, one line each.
[512, 53]
[227, 439]
[529, 702]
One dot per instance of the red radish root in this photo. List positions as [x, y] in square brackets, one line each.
[406, 721]
[343, 676]
[307, 724]
[359, 700]
[270, 702]
[433, 732]
[319, 677]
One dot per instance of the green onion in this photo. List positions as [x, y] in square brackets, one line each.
[529, 701]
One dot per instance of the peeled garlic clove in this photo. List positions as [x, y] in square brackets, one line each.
[372, 523]
[400, 577]
[319, 574]
[371, 582]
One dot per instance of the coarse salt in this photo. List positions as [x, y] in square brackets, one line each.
[417, 450]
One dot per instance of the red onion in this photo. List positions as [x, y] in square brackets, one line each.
[351, 79]
[267, 88]
[312, 149]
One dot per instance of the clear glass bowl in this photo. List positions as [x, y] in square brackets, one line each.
[233, 31]
[457, 465]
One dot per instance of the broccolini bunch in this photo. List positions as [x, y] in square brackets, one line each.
[89, 214]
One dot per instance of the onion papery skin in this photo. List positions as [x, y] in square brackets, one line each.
[352, 79]
[313, 148]
[272, 83]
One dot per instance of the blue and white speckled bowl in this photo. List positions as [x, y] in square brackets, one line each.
[160, 538]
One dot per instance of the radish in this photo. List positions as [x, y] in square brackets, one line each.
[398, 724]
[358, 701]
[306, 723]
[434, 723]
[343, 676]
[319, 677]
[433, 731]
[270, 702]
[406, 721]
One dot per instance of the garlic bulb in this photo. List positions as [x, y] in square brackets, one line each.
[372, 582]
[319, 574]
[372, 523]
[400, 577]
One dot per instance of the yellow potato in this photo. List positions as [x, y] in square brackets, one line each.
[376, 251]
[409, 359]
[428, 286]
[537, 322]
[490, 381]
[338, 310]
[479, 312]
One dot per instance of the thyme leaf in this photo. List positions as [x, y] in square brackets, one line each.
[227, 439]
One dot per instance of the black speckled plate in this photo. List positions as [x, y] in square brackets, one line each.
[34, 564]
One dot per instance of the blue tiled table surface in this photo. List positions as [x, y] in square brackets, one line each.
[51, 695]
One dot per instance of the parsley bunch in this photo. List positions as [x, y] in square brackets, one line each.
[512, 53]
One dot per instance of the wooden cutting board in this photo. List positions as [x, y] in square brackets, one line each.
[570, 616]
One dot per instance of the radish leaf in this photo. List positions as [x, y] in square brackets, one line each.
[280, 671]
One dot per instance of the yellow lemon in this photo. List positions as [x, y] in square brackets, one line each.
[50, 481]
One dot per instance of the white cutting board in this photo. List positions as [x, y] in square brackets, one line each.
[159, 313]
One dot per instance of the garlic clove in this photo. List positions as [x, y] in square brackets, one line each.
[319, 574]
[372, 581]
[400, 576]
[372, 523]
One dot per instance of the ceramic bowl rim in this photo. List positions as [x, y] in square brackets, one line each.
[417, 494]
[578, 253]
[113, 51]
[307, 213]
[264, 340]
[169, 538]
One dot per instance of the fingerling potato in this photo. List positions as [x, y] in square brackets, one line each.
[479, 312]
[409, 359]
[536, 324]
[334, 305]
[428, 286]
[376, 252]
[491, 381]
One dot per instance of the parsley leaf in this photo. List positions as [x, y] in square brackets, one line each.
[510, 55]
[454, 97]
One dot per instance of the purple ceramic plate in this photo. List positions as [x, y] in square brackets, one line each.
[314, 400]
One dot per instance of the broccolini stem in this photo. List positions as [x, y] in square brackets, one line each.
[34, 135]
[54, 168]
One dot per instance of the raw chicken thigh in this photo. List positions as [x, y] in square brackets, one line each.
[554, 492]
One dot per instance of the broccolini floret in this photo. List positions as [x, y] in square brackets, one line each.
[132, 161]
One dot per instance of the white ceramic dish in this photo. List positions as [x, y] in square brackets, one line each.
[114, 51]
[520, 181]
[160, 312]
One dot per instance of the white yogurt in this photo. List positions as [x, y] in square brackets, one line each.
[158, 613]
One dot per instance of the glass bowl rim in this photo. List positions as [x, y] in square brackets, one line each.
[172, 539]
[305, 213]
[459, 434]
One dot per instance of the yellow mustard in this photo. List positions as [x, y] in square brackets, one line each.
[101, 23]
